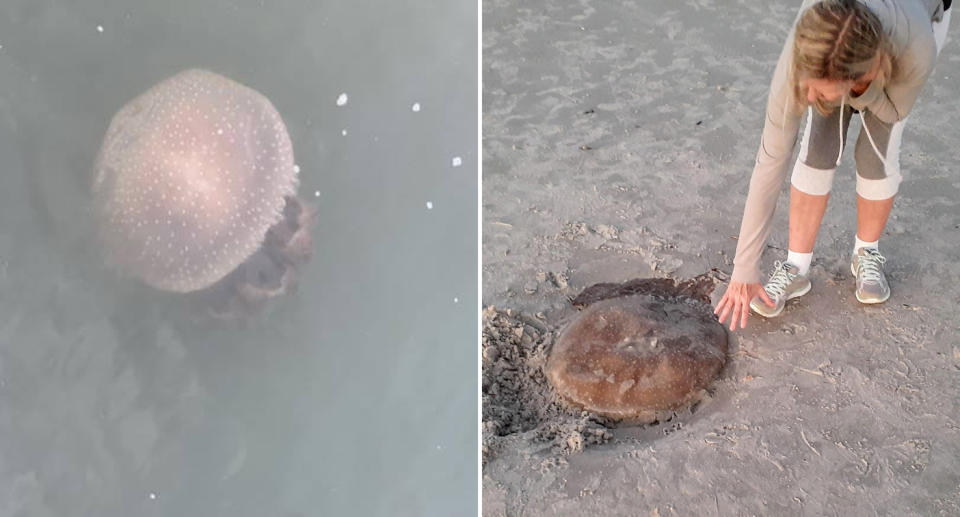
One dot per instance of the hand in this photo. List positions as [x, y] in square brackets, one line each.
[737, 299]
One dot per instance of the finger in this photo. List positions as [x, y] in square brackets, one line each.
[721, 304]
[743, 318]
[766, 298]
[733, 320]
[726, 311]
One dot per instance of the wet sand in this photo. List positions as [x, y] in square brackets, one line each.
[618, 142]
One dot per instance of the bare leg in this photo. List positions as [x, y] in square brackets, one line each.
[871, 218]
[806, 213]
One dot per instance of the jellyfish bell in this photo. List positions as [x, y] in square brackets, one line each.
[195, 192]
[637, 356]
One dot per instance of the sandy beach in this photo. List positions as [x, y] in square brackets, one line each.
[618, 142]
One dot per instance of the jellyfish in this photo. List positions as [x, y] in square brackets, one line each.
[194, 191]
[639, 350]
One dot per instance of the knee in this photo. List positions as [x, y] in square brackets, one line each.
[876, 179]
[810, 180]
[878, 189]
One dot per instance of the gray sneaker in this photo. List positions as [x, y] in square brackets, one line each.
[867, 266]
[785, 283]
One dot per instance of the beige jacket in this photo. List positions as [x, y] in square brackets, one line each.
[908, 24]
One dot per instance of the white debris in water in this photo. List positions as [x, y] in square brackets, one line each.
[342, 99]
[429, 205]
[415, 107]
[456, 300]
[99, 28]
[316, 193]
[457, 161]
[343, 132]
[296, 168]
[152, 496]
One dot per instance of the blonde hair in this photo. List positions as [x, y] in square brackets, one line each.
[837, 40]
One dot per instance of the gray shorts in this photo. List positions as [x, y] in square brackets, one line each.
[877, 153]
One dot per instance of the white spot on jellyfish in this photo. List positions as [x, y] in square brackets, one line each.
[316, 193]
[296, 168]
[457, 161]
[342, 99]
[343, 132]
[415, 107]
[429, 205]
[99, 28]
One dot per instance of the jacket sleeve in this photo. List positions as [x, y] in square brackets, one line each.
[777, 142]
[893, 102]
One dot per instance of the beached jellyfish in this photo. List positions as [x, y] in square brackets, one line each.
[195, 192]
[639, 350]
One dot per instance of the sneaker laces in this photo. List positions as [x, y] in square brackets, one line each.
[779, 280]
[868, 265]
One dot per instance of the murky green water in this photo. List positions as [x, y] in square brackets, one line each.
[354, 396]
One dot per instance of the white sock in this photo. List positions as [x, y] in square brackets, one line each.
[864, 244]
[801, 260]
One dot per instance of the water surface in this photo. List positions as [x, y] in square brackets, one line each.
[354, 396]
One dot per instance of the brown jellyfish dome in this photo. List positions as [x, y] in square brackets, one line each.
[190, 176]
[633, 356]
